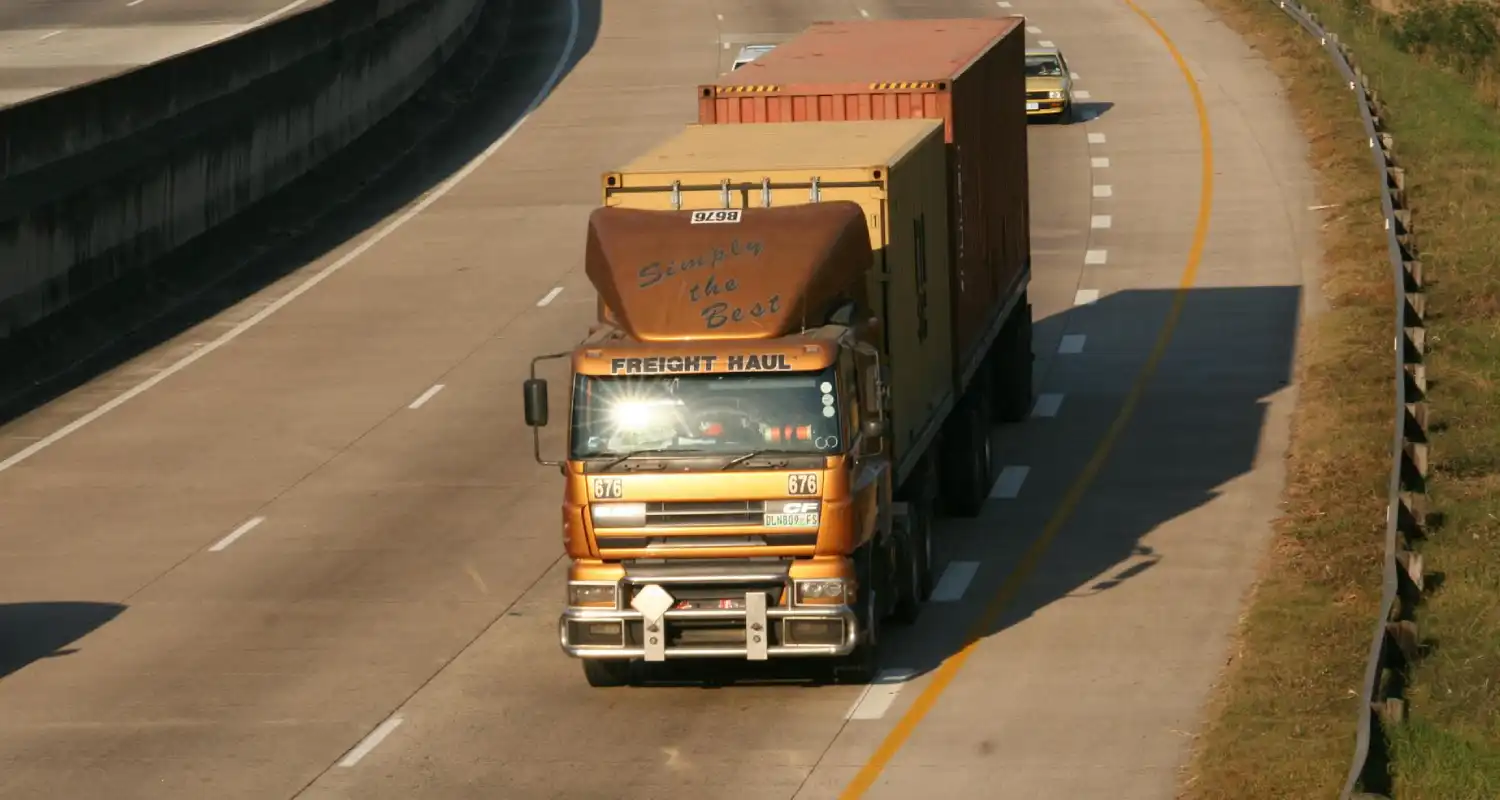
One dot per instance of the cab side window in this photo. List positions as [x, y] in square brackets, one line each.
[852, 389]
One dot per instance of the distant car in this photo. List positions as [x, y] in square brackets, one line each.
[1049, 84]
[749, 53]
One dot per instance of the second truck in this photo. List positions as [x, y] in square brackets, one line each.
[805, 331]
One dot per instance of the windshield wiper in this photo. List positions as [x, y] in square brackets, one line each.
[737, 460]
[646, 452]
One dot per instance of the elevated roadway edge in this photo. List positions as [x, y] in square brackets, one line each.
[48, 46]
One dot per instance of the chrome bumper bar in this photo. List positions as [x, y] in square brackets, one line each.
[756, 618]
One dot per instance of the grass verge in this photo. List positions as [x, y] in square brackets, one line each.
[1283, 720]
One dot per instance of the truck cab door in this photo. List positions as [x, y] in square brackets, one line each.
[869, 478]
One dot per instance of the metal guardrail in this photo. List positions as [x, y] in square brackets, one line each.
[1395, 643]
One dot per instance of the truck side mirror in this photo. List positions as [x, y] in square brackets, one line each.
[535, 390]
[874, 428]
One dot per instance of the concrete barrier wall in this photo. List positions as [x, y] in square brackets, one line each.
[106, 178]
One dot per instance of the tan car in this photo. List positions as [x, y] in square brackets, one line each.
[1049, 84]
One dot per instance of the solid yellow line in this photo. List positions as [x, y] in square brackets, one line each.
[944, 674]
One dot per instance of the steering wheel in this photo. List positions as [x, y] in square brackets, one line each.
[714, 413]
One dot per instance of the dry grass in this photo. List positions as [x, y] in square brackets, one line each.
[1283, 722]
[1283, 719]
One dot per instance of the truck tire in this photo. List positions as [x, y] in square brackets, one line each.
[917, 560]
[966, 453]
[860, 666]
[607, 673]
[1012, 360]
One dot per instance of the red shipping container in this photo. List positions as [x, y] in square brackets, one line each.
[967, 72]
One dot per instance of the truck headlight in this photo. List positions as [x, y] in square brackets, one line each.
[618, 515]
[820, 592]
[592, 595]
[1055, 95]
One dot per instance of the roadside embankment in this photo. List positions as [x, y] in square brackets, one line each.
[1425, 717]
[104, 180]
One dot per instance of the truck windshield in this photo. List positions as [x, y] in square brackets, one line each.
[720, 413]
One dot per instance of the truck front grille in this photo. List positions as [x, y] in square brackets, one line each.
[728, 513]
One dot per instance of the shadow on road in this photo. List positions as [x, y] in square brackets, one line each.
[33, 631]
[1197, 428]
[472, 101]
[1089, 110]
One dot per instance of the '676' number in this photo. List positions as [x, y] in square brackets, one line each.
[608, 488]
[801, 484]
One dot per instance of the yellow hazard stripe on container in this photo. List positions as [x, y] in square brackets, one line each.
[884, 85]
[745, 89]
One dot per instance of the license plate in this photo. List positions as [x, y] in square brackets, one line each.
[1032, 106]
[792, 520]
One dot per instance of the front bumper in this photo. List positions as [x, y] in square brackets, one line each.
[1043, 107]
[766, 632]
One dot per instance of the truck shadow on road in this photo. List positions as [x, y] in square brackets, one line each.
[481, 93]
[30, 632]
[1172, 487]
[1163, 493]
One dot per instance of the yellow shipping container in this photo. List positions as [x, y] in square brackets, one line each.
[896, 170]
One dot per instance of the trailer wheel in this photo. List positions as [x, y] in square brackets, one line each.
[967, 453]
[607, 673]
[1012, 359]
[917, 550]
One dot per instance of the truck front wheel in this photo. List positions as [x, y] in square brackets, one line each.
[606, 673]
[917, 561]
[860, 665]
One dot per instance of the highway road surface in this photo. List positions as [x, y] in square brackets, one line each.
[309, 554]
[47, 45]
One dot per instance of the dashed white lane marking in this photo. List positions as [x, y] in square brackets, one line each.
[238, 532]
[549, 297]
[1096, 138]
[1096, 257]
[1101, 221]
[1074, 76]
[371, 742]
[720, 16]
[1003, 4]
[1085, 296]
[134, 3]
[1104, 190]
[1033, 29]
[864, 13]
[1081, 94]
[44, 37]
[1047, 405]
[877, 698]
[1045, 43]
[425, 396]
[1099, 162]
[1072, 344]
[955, 581]
[1008, 485]
[566, 56]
